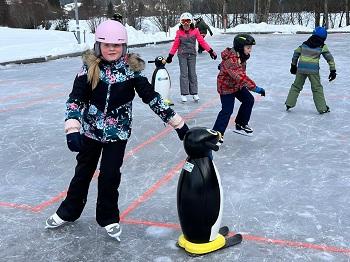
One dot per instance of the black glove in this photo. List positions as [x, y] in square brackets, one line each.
[293, 69]
[332, 75]
[74, 141]
[169, 58]
[212, 54]
[181, 132]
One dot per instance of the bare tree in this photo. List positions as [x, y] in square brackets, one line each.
[325, 22]
[347, 12]
[224, 14]
[4, 13]
[258, 11]
[30, 15]
[94, 22]
[317, 11]
[90, 9]
[167, 13]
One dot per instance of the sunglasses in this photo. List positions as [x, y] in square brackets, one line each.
[186, 21]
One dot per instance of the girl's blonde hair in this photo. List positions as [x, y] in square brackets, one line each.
[94, 72]
[92, 61]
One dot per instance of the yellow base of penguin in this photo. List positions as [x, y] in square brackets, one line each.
[200, 249]
[168, 102]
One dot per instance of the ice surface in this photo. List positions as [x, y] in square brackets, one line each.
[289, 182]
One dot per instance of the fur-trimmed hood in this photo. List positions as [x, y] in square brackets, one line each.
[134, 60]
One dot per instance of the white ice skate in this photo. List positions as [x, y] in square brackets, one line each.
[54, 221]
[114, 230]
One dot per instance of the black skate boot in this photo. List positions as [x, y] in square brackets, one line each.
[243, 130]
[325, 111]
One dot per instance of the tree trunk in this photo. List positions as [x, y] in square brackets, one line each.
[325, 22]
[347, 12]
[4, 13]
[258, 11]
[267, 11]
[254, 19]
[224, 15]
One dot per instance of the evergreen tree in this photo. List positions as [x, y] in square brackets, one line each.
[90, 9]
[110, 10]
[55, 3]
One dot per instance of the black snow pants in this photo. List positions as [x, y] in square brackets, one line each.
[107, 211]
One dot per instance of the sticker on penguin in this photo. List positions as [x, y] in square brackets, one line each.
[200, 197]
[161, 80]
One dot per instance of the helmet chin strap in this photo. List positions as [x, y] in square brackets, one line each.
[97, 49]
[125, 50]
[243, 56]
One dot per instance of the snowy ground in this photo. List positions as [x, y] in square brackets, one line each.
[286, 189]
[18, 44]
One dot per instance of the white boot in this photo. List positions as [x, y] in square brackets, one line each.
[54, 221]
[183, 99]
[195, 98]
[114, 230]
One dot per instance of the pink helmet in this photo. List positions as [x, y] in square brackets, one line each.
[111, 32]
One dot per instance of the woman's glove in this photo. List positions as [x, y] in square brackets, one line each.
[212, 54]
[169, 58]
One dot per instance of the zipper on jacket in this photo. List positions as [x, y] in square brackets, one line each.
[104, 137]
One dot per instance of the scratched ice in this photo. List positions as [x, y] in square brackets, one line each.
[286, 188]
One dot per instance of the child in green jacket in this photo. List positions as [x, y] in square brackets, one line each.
[308, 55]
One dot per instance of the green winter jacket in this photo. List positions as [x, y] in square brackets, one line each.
[309, 59]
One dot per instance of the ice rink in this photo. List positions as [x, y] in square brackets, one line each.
[286, 189]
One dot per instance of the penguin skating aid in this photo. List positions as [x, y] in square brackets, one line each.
[200, 197]
[161, 79]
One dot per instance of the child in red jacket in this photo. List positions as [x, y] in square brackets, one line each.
[185, 44]
[232, 82]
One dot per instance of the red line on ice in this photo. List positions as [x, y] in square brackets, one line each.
[279, 242]
[133, 151]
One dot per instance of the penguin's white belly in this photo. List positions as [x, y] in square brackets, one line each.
[162, 83]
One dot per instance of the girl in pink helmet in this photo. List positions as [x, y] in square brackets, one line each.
[185, 45]
[98, 122]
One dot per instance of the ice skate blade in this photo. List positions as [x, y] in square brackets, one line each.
[243, 133]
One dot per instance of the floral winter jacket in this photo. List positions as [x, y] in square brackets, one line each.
[105, 113]
[232, 76]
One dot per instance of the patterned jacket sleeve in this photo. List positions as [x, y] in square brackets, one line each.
[79, 96]
[328, 56]
[296, 55]
[237, 72]
[149, 96]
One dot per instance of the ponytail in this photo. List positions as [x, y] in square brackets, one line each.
[94, 72]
